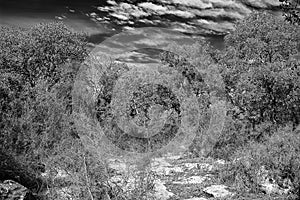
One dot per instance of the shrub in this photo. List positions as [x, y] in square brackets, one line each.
[279, 155]
[290, 9]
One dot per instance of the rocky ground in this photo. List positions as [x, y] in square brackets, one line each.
[183, 178]
[167, 177]
[178, 177]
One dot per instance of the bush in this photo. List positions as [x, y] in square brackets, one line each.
[279, 155]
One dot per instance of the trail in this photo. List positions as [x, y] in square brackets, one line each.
[176, 177]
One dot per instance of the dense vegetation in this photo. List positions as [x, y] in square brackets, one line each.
[291, 10]
[37, 67]
[259, 78]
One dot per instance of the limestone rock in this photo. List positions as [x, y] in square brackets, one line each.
[218, 191]
[269, 185]
[192, 180]
[161, 192]
[12, 190]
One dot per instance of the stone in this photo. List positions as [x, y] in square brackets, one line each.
[269, 185]
[192, 180]
[218, 191]
[271, 188]
[118, 166]
[202, 166]
[196, 198]
[12, 190]
[161, 192]
[159, 165]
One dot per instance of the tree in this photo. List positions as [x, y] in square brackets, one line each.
[40, 51]
[261, 74]
[36, 76]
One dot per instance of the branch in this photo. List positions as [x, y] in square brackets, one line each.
[87, 178]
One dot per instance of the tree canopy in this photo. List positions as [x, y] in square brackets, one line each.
[259, 70]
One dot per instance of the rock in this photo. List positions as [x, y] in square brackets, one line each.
[192, 180]
[272, 188]
[269, 185]
[159, 165]
[174, 157]
[161, 192]
[170, 170]
[197, 198]
[218, 191]
[118, 166]
[202, 166]
[12, 190]
[163, 167]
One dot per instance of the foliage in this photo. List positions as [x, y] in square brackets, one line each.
[291, 10]
[196, 63]
[261, 73]
[143, 185]
[261, 77]
[36, 76]
[279, 155]
[31, 61]
[40, 51]
[139, 108]
[264, 38]
[44, 133]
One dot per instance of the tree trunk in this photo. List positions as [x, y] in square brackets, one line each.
[11, 169]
